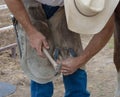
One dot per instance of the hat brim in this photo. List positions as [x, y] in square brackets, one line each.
[88, 25]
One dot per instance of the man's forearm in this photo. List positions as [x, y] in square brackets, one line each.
[18, 10]
[97, 42]
[36, 38]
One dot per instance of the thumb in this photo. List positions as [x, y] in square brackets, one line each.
[45, 44]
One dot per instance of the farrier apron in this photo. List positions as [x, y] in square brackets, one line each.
[58, 36]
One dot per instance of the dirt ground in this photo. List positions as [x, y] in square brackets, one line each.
[100, 69]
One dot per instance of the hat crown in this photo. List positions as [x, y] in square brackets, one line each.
[89, 7]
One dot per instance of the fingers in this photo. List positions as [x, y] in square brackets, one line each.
[39, 50]
[39, 47]
[45, 44]
[64, 69]
[66, 72]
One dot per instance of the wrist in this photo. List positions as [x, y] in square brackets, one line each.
[81, 60]
[30, 29]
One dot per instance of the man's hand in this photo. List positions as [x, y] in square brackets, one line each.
[37, 41]
[69, 66]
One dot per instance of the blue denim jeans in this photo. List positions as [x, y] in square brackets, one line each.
[49, 10]
[75, 86]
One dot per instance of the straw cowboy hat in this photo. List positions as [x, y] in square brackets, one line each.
[88, 16]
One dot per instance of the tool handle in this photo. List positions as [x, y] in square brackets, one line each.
[50, 58]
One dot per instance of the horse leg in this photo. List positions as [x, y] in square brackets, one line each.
[117, 47]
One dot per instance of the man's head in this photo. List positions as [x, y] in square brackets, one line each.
[88, 16]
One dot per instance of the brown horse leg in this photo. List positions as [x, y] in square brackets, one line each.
[117, 47]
